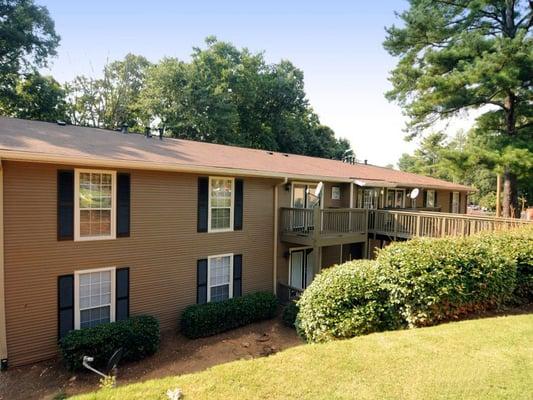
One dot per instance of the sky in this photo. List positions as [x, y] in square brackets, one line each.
[337, 44]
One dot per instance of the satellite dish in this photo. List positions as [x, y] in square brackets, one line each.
[318, 189]
[414, 193]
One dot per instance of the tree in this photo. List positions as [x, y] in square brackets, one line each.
[232, 96]
[27, 40]
[459, 55]
[37, 97]
[113, 100]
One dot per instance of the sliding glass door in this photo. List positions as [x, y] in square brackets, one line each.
[301, 268]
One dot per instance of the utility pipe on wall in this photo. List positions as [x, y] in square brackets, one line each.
[276, 229]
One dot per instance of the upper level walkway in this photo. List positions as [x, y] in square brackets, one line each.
[325, 227]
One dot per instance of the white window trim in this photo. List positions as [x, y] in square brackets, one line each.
[292, 249]
[113, 235]
[427, 198]
[307, 184]
[232, 209]
[77, 293]
[230, 294]
[396, 190]
[458, 202]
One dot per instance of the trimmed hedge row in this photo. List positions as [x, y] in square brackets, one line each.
[138, 337]
[208, 319]
[418, 283]
[434, 280]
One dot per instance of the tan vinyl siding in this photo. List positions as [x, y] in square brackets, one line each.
[161, 251]
[331, 255]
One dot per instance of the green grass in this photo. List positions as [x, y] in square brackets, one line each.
[480, 359]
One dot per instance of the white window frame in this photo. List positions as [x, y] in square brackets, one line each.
[394, 199]
[231, 266]
[427, 198]
[306, 184]
[113, 233]
[77, 311]
[375, 197]
[232, 209]
[458, 211]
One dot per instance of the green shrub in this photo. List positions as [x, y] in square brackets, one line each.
[345, 301]
[518, 244]
[138, 337]
[289, 314]
[202, 320]
[431, 280]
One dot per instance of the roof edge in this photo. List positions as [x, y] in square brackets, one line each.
[12, 155]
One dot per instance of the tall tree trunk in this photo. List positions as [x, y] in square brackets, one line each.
[510, 192]
[510, 196]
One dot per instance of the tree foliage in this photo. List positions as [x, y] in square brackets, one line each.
[457, 55]
[27, 40]
[37, 97]
[471, 160]
[112, 100]
[223, 95]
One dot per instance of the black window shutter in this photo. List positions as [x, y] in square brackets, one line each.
[237, 275]
[435, 199]
[201, 276]
[203, 203]
[65, 304]
[122, 294]
[123, 204]
[450, 209]
[425, 198]
[65, 205]
[238, 212]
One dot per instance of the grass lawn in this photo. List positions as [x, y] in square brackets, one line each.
[488, 358]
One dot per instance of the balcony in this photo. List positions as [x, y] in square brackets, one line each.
[323, 227]
[408, 224]
[316, 227]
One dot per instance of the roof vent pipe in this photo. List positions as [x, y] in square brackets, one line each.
[148, 132]
[124, 128]
[161, 130]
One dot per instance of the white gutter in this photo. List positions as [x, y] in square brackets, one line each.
[276, 229]
[3, 333]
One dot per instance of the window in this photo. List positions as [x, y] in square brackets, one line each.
[221, 202]
[396, 198]
[220, 277]
[370, 198]
[455, 202]
[94, 297]
[430, 198]
[303, 196]
[95, 194]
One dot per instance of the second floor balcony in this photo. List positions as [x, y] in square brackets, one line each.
[323, 227]
[326, 227]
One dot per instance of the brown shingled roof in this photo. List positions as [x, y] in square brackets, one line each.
[43, 141]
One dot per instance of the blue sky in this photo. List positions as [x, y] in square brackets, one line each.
[338, 45]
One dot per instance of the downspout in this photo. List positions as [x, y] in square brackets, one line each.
[276, 229]
[3, 333]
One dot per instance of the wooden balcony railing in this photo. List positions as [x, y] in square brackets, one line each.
[323, 226]
[342, 225]
[406, 224]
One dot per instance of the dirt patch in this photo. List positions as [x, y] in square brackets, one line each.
[177, 355]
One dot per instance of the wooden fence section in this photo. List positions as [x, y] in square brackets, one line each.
[407, 224]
